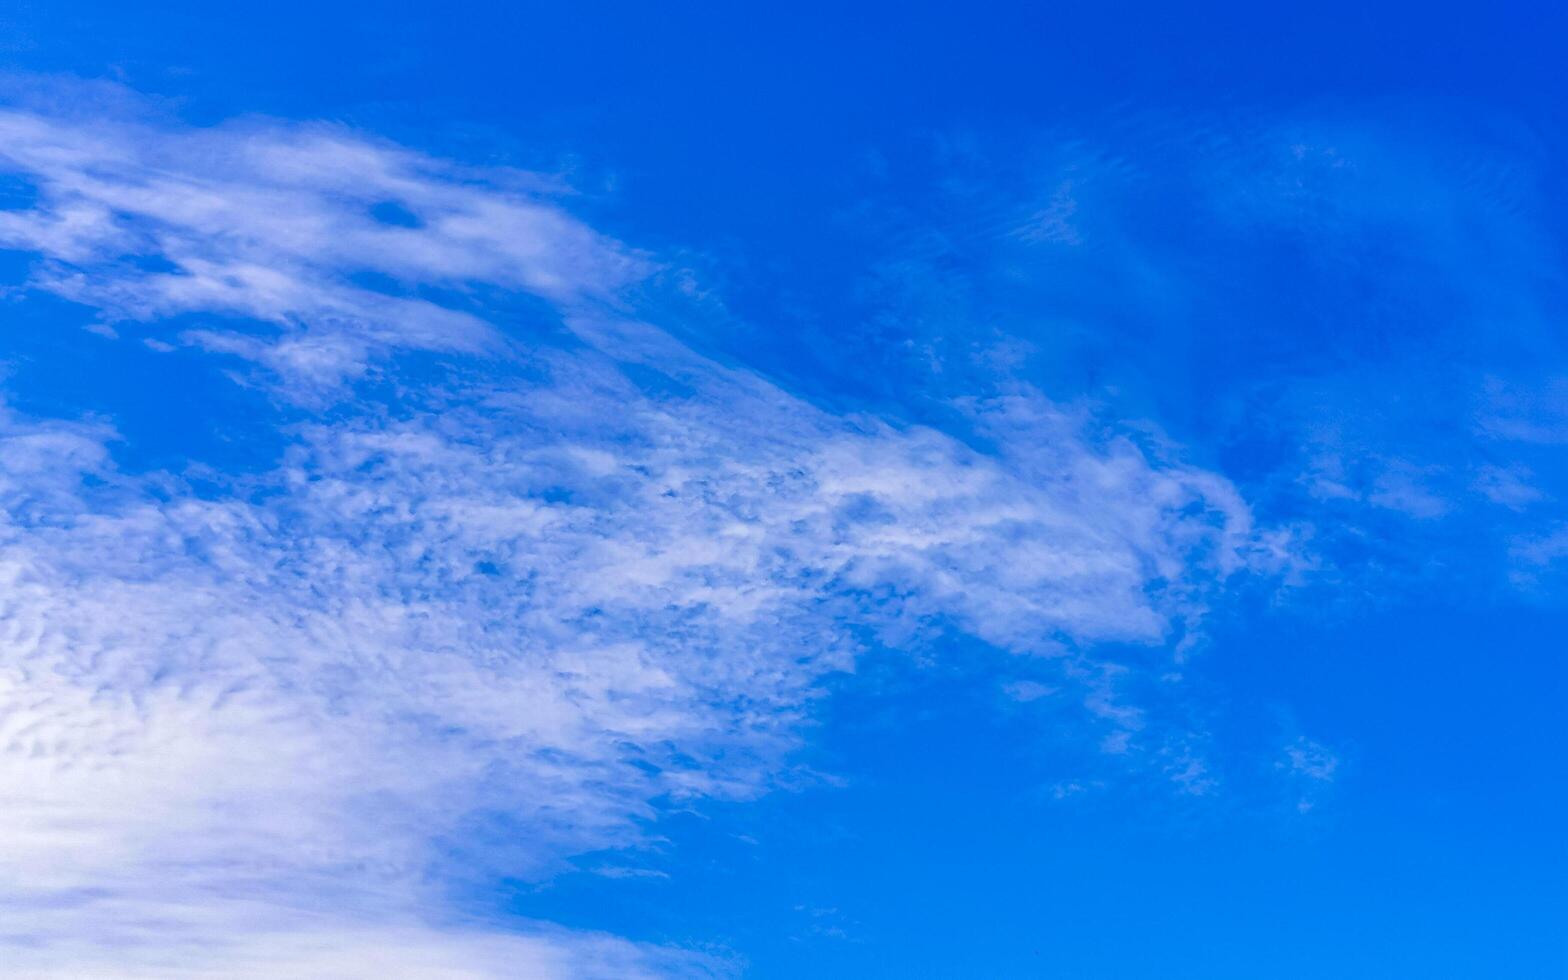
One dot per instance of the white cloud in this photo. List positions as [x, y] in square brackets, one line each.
[478, 628]
[1508, 486]
[248, 940]
[1534, 411]
[1533, 556]
[1313, 767]
[280, 224]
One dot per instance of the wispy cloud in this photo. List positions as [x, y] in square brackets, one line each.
[1312, 767]
[483, 622]
[1358, 316]
[280, 224]
[248, 939]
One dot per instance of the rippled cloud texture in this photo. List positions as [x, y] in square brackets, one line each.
[527, 566]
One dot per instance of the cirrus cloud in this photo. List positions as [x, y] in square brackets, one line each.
[488, 620]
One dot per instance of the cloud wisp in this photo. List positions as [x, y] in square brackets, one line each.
[285, 226]
[486, 617]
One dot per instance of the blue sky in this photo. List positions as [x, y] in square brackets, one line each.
[613, 491]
